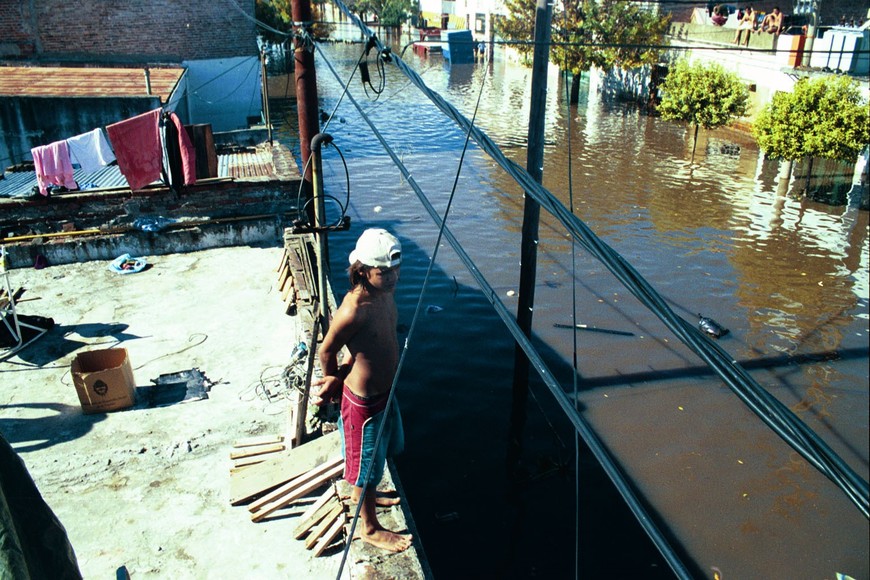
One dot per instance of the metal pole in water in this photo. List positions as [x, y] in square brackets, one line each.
[531, 215]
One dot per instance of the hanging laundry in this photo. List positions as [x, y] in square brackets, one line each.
[90, 150]
[188, 151]
[179, 153]
[137, 147]
[52, 165]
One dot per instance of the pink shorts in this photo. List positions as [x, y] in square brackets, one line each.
[361, 419]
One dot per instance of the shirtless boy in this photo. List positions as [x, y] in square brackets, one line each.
[772, 23]
[366, 324]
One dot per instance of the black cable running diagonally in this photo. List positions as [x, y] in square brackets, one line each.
[598, 449]
[417, 310]
[770, 410]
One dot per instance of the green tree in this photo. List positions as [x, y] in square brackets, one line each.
[391, 13]
[587, 33]
[702, 95]
[279, 15]
[824, 117]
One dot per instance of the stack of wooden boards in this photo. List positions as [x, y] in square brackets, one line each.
[297, 279]
[269, 477]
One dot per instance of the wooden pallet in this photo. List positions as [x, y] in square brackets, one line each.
[297, 282]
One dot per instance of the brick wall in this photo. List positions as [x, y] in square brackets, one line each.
[126, 30]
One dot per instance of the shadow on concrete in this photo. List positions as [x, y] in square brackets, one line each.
[58, 343]
[60, 423]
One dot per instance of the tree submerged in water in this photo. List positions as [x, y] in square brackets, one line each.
[825, 117]
[589, 33]
[702, 95]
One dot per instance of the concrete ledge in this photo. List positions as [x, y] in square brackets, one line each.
[182, 237]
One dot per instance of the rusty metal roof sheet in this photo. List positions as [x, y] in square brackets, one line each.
[239, 164]
[38, 81]
[246, 162]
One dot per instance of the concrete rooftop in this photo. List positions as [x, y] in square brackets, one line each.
[148, 488]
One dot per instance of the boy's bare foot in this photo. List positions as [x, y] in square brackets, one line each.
[387, 540]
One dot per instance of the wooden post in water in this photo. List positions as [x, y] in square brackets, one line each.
[531, 214]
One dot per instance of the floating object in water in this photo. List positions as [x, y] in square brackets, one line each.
[711, 327]
[432, 309]
[594, 329]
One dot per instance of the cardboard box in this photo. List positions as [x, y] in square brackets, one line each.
[104, 380]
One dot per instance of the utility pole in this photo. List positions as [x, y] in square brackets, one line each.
[810, 7]
[531, 214]
[306, 91]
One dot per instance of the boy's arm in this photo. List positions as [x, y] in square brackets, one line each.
[342, 328]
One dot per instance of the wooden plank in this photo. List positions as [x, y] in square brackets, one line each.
[315, 512]
[316, 474]
[246, 461]
[297, 493]
[283, 277]
[287, 288]
[284, 466]
[318, 517]
[329, 536]
[258, 450]
[283, 261]
[293, 420]
[240, 466]
[263, 440]
[327, 523]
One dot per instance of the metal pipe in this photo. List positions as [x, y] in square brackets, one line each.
[320, 224]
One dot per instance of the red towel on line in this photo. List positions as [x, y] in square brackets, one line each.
[136, 142]
[188, 151]
[53, 167]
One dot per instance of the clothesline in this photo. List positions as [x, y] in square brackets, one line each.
[146, 147]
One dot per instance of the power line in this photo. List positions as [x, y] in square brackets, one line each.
[770, 410]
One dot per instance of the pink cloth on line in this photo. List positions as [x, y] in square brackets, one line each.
[188, 151]
[136, 142]
[53, 166]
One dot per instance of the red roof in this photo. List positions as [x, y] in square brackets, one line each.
[50, 81]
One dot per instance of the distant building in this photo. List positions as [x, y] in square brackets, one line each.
[214, 44]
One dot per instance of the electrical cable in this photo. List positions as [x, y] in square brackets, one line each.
[575, 378]
[412, 327]
[599, 450]
[771, 411]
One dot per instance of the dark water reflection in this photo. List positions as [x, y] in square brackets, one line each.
[713, 235]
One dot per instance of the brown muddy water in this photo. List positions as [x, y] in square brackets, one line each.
[714, 236]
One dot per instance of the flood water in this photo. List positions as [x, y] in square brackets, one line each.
[712, 235]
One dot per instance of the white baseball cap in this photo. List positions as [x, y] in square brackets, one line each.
[377, 248]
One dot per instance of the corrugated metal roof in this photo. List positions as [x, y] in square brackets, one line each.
[246, 162]
[240, 164]
[36, 81]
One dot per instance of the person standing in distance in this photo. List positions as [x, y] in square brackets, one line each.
[365, 323]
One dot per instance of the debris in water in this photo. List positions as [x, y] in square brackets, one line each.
[711, 327]
[448, 517]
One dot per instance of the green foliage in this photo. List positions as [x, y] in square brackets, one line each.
[390, 12]
[587, 33]
[279, 15]
[396, 12]
[274, 13]
[519, 25]
[702, 95]
[823, 117]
